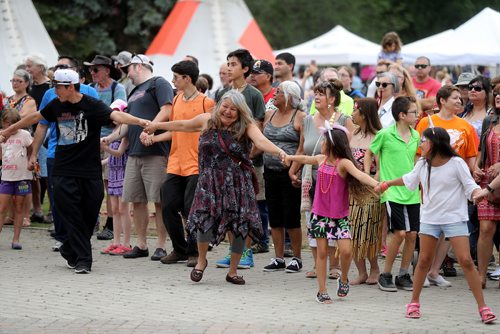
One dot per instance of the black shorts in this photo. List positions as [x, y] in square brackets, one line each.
[283, 200]
[403, 217]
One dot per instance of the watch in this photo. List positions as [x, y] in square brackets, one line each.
[490, 189]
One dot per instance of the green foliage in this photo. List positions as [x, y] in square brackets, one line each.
[83, 28]
[86, 27]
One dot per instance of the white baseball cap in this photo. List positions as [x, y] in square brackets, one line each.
[66, 77]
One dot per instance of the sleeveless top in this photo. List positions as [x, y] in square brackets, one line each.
[331, 196]
[311, 136]
[285, 137]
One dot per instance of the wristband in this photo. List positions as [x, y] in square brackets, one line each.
[490, 189]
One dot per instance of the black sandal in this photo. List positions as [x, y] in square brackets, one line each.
[197, 274]
[238, 280]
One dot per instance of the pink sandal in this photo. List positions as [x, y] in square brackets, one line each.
[487, 316]
[413, 311]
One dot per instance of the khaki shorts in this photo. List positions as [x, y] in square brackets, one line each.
[144, 177]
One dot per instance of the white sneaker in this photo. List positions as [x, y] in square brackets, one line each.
[426, 283]
[495, 273]
[439, 281]
[56, 246]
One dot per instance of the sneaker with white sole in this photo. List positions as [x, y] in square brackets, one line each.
[385, 283]
[404, 282]
[275, 265]
[294, 266]
[427, 283]
[439, 281]
[56, 246]
[225, 262]
[246, 261]
[82, 270]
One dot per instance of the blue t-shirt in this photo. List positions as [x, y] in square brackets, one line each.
[49, 96]
[106, 95]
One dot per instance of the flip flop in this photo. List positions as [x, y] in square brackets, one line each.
[334, 273]
[311, 274]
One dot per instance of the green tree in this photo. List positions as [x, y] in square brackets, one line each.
[83, 28]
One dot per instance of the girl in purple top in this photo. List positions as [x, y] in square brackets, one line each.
[337, 178]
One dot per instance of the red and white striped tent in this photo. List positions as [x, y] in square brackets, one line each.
[207, 30]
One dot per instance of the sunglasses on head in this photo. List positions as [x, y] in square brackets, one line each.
[421, 66]
[383, 84]
[476, 88]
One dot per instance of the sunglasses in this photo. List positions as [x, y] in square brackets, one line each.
[495, 94]
[475, 88]
[420, 66]
[383, 84]
[95, 69]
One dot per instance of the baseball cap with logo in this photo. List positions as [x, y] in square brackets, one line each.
[262, 66]
[66, 77]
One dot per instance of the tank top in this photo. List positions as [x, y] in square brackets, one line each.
[285, 137]
[331, 195]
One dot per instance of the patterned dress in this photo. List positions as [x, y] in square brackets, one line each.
[486, 210]
[224, 198]
[116, 174]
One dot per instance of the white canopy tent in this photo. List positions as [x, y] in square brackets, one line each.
[476, 42]
[21, 33]
[337, 46]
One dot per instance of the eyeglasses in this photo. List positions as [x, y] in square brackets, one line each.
[475, 88]
[176, 77]
[421, 66]
[16, 81]
[412, 112]
[383, 84]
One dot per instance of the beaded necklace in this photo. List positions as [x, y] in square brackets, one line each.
[322, 177]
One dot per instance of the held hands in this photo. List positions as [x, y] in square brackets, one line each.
[146, 138]
[381, 187]
[479, 194]
[32, 162]
[151, 127]
[494, 170]
[477, 174]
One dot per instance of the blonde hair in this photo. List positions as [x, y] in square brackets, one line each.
[239, 127]
[407, 87]
[10, 115]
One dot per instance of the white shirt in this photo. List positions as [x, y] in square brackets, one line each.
[450, 186]
[385, 114]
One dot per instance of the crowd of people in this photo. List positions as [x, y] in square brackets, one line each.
[401, 166]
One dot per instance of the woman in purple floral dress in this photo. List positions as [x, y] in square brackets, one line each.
[224, 200]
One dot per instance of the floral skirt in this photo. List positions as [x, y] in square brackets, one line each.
[329, 228]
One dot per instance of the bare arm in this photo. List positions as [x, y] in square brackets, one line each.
[195, 124]
[396, 182]
[305, 159]
[29, 107]
[22, 124]
[261, 142]
[124, 118]
[38, 138]
[164, 113]
[121, 149]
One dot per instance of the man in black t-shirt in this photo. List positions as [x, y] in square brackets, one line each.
[78, 186]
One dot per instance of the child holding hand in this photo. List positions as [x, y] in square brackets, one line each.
[337, 178]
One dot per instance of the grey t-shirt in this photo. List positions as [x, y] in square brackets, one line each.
[145, 102]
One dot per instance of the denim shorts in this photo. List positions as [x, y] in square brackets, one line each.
[459, 229]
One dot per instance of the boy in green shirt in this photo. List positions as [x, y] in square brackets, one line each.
[397, 147]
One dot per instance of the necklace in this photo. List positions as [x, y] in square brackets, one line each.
[241, 88]
[190, 96]
[322, 178]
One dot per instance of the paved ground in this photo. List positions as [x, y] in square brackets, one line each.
[38, 294]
